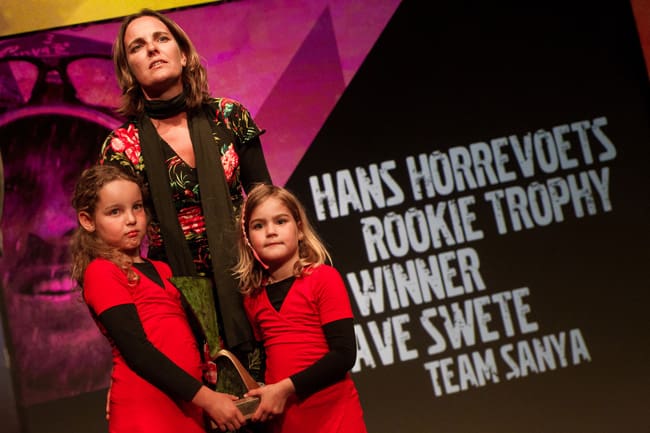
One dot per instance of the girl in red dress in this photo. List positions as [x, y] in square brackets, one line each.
[300, 309]
[156, 379]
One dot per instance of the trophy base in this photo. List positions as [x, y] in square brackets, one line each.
[247, 405]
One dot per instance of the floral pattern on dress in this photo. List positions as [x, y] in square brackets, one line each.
[233, 127]
[180, 180]
[235, 117]
[225, 107]
[230, 162]
[126, 141]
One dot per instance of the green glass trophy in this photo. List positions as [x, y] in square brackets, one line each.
[232, 377]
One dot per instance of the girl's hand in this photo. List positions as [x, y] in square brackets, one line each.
[273, 399]
[220, 408]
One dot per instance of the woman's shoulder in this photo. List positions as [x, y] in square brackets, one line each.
[231, 115]
[224, 101]
[128, 125]
[226, 107]
[122, 147]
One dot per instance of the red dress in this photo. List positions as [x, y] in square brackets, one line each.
[294, 340]
[136, 406]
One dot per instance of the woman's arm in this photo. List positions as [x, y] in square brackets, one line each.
[253, 168]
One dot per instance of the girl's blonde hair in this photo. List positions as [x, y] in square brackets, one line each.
[85, 246]
[311, 249]
[194, 77]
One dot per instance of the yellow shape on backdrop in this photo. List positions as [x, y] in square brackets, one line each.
[24, 16]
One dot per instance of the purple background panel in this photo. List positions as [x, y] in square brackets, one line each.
[287, 61]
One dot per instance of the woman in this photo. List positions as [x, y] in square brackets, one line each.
[197, 154]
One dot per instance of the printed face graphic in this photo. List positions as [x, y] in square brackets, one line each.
[56, 348]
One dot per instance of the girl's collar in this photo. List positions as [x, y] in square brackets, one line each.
[270, 282]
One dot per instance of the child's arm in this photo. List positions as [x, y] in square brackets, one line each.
[220, 408]
[335, 312]
[331, 368]
[123, 325]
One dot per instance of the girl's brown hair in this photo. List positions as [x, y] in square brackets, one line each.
[85, 246]
[195, 78]
[312, 251]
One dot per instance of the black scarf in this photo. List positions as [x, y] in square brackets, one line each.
[217, 210]
[164, 109]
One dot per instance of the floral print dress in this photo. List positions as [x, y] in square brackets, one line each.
[234, 128]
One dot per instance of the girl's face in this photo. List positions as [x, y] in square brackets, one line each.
[154, 57]
[274, 234]
[119, 218]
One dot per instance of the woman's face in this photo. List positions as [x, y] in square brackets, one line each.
[154, 57]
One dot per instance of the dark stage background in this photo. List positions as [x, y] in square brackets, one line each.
[477, 170]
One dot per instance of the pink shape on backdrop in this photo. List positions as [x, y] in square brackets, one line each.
[315, 72]
[287, 61]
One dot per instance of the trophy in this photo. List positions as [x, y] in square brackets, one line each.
[232, 377]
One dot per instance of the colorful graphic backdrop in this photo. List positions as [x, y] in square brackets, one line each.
[478, 172]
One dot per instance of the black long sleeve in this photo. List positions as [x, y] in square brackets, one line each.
[333, 366]
[253, 164]
[125, 328]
